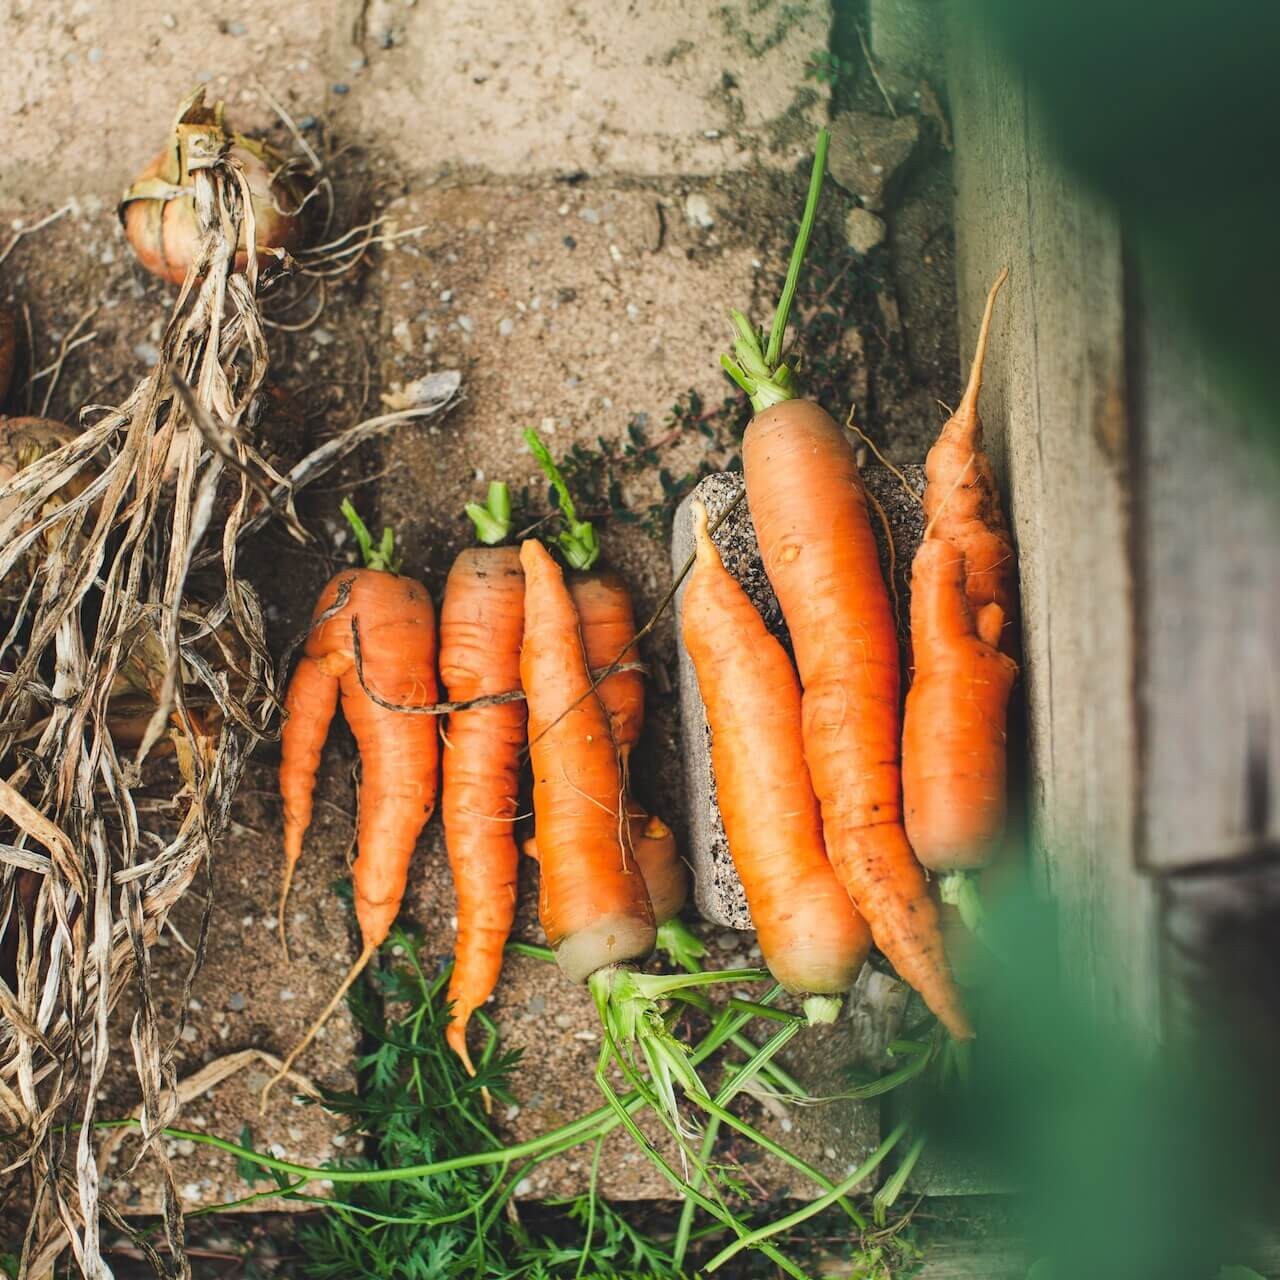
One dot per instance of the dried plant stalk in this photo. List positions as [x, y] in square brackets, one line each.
[98, 540]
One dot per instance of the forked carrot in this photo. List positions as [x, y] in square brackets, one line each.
[963, 635]
[399, 753]
[962, 502]
[810, 513]
[813, 940]
[953, 743]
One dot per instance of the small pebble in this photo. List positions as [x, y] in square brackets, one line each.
[536, 1005]
[189, 1035]
[236, 1002]
[511, 1112]
[307, 123]
[589, 215]
[321, 337]
[466, 324]
[506, 327]
[697, 209]
[570, 242]
[95, 55]
[357, 64]
[286, 995]
[236, 28]
[186, 1147]
[446, 295]
[564, 1021]
[341, 89]
[169, 21]
[147, 351]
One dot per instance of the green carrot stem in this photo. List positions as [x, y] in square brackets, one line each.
[578, 541]
[884, 1199]
[800, 248]
[570, 1135]
[610, 1049]
[755, 366]
[493, 519]
[380, 556]
[761, 1235]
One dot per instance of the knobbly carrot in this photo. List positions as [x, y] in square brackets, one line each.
[963, 636]
[399, 752]
[810, 513]
[812, 938]
[962, 503]
[953, 744]
[481, 623]
[593, 904]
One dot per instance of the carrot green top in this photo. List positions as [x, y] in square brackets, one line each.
[493, 520]
[578, 542]
[756, 367]
[380, 555]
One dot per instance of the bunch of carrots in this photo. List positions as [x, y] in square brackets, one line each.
[519, 640]
[834, 809]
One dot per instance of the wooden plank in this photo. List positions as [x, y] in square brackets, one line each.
[1211, 628]
[1054, 404]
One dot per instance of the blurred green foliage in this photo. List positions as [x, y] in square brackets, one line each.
[1138, 1161]
[1169, 109]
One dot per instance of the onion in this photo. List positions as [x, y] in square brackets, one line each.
[27, 440]
[158, 210]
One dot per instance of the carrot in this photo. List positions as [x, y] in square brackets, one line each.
[399, 753]
[608, 625]
[810, 513]
[653, 846]
[953, 744]
[481, 622]
[593, 904]
[963, 602]
[812, 939]
[962, 504]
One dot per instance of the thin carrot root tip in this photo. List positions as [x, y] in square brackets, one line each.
[352, 974]
[285, 886]
[456, 1035]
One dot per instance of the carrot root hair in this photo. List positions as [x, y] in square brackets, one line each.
[969, 401]
[286, 884]
[325, 1014]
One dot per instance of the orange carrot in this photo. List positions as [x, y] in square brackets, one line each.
[481, 622]
[399, 752]
[811, 518]
[593, 904]
[962, 504]
[963, 586]
[653, 846]
[953, 744]
[608, 625]
[812, 939]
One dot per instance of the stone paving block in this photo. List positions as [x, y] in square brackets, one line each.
[542, 87]
[719, 892]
